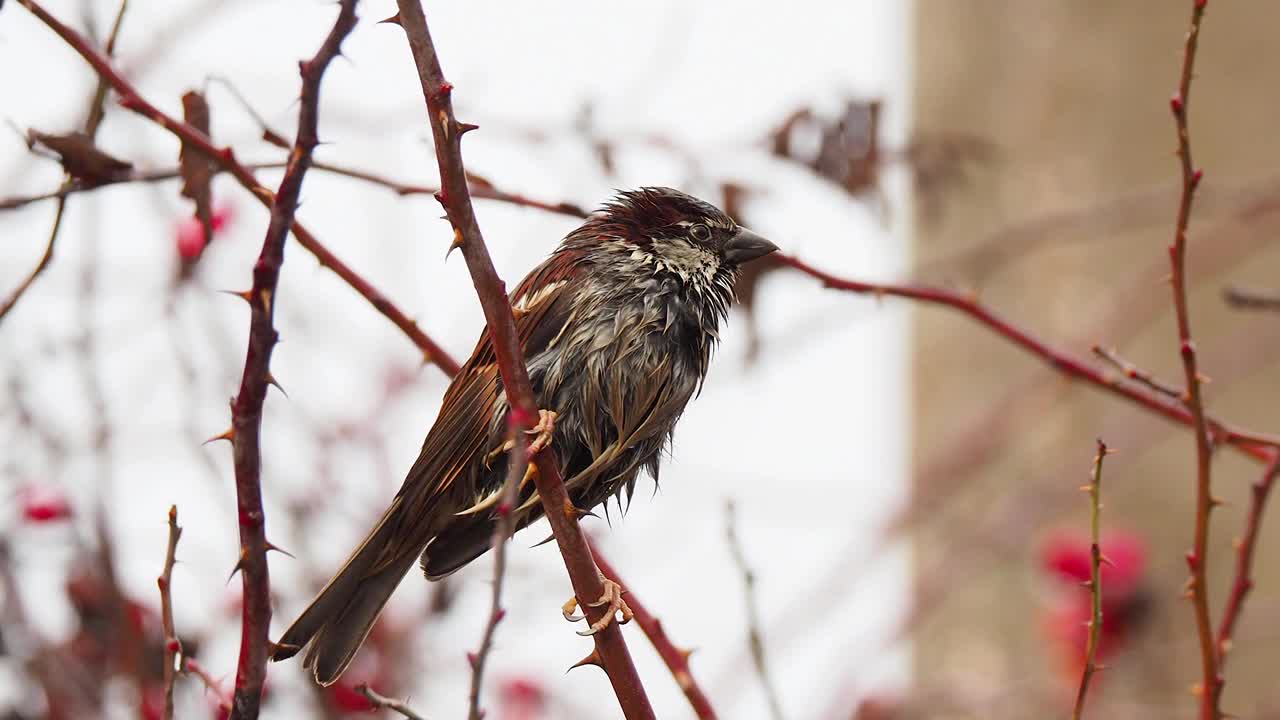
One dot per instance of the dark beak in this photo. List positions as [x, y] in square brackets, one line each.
[747, 246]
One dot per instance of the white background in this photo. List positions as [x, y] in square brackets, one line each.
[810, 441]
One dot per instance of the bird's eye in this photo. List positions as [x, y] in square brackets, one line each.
[700, 232]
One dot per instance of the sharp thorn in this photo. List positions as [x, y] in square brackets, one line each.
[228, 434]
[245, 295]
[271, 380]
[592, 659]
[272, 546]
[393, 20]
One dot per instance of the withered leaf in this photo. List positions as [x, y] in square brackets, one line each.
[194, 165]
[82, 160]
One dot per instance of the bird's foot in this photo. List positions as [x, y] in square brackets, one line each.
[543, 433]
[612, 598]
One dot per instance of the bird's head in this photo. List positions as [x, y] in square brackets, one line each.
[666, 230]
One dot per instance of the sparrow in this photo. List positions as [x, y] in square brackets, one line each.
[617, 326]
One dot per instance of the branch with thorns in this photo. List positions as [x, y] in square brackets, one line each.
[517, 467]
[1197, 559]
[455, 196]
[381, 702]
[1094, 488]
[172, 645]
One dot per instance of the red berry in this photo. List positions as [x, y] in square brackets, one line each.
[42, 505]
[190, 239]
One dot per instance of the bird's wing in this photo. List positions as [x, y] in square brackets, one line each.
[465, 431]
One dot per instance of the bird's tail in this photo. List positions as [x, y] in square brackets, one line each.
[338, 620]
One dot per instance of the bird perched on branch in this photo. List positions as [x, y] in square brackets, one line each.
[617, 327]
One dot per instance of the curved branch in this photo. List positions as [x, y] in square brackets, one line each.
[225, 158]
[676, 659]
[1256, 445]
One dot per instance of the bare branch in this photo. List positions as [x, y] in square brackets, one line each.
[1246, 299]
[91, 125]
[380, 702]
[1246, 547]
[1197, 559]
[455, 196]
[1095, 579]
[754, 635]
[676, 659]
[517, 466]
[172, 645]
[1256, 445]
[225, 158]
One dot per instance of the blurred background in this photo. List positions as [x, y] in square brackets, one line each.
[904, 482]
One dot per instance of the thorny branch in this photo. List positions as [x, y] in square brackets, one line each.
[754, 637]
[172, 645]
[676, 659]
[225, 158]
[380, 702]
[1197, 559]
[1245, 547]
[455, 196]
[246, 416]
[1094, 489]
[517, 466]
[1136, 374]
[1256, 445]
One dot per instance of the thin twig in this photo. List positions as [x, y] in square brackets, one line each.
[1197, 559]
[754, 636]
[1256, 445]
[455, 196]
[1095, 579]
[1246, 299]
[94, 120]
[676, 658]
[1137, 374]
[380, 702]
[172, 645]
[517, 466]
[481, 191]
[1245, 549]
[225, 158]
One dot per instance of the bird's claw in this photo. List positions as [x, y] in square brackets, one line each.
[612, 598]
[543, 433]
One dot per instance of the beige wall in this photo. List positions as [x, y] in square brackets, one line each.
[1073, 211]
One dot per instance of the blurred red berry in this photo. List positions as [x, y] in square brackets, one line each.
[521, 698]
[1068, 557]
[190, 239]
[222, 217]
[190, 232]
[42, 505]
[1124, 598]
[152, 706]
[370, 668]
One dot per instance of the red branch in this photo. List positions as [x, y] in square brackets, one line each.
[455, 196]
[1197, 559]
[517, 466]
[676, 659]
[1095, 580]
[246, 409]
[172, 645]
[1245, 547]
[1253, 444]
[225, 158]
